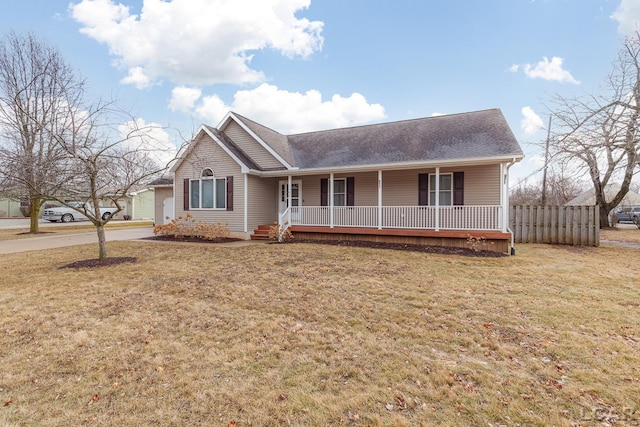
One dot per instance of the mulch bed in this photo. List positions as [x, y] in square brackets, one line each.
[354, 243]
[91, 263]
[192, 239]
[406, 247]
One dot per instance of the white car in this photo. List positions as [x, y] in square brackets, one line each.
[66, 214]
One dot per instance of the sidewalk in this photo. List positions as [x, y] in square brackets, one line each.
[52, 242]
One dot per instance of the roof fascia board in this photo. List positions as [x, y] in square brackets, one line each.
[231, 116]
[394, 166]
[188, 151]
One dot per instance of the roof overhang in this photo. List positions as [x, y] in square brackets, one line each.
[444, 163]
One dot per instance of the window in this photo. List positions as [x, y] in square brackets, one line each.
[446, 189]
[451, 189]
[343, 192]
[340, 192]
[208, 192]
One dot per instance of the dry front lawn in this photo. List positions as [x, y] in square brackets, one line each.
[314, 335]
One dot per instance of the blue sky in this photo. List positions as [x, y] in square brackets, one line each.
[299, 65]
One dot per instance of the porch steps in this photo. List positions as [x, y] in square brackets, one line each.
[261, 233]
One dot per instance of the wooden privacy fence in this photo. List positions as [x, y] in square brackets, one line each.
[570, 225]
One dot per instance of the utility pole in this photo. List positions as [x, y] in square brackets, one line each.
[543, 199]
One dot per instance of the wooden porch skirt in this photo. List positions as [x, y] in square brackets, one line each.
[495, 240]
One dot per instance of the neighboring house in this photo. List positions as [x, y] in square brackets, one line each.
[142, 204]
[588, 198]
[10, 208]
[163, 200]
[436, 180]
[135, 205]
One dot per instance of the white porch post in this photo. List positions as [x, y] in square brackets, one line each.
[331, 200]
[289, 198]
[246, 203]
[438, 199]
[380, 200]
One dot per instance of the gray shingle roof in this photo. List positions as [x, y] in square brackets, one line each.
[228, 142]
[277, 141]
[479, 134]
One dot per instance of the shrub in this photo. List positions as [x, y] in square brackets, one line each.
[279, 233]
[478, 244]
[189, 227]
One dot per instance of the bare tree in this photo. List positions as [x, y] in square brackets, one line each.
[599, 133]
[108, 153]
[36, 88]
[560, 189]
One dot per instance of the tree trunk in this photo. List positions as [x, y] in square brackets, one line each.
[34, 213]
[604, 215]
[102, 242]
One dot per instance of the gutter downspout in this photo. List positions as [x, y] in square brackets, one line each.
[245, 203]
[506, 195]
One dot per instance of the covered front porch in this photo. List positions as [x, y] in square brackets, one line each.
[433, 214]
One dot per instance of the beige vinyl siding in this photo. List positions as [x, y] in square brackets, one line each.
[251, 147]
[400, 188]
[482, 185]
[262, 201]
[311, 190]
[208, 154]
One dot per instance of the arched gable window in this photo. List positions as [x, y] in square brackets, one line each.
[208, 192]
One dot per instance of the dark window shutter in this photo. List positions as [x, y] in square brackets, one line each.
[324, 192]
[230, 193]
[423, 189]
[350, 191]
[458, 188]
[185, 204]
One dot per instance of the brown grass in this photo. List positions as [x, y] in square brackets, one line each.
[315, 335]
[59, 229]
[625, 233]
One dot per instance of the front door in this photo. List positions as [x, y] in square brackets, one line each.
[296, 198]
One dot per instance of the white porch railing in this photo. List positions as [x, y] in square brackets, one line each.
[412, 217]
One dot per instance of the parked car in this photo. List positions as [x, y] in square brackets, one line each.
[627, 214]
[67, 214]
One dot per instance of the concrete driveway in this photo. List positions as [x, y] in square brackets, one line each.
[11, 223]
[51, 242]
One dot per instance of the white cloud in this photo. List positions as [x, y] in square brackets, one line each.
[184, 98]
[628, 16]
[531, 122]
[150, 138]
[197, 42]
[137, 77]
[546, 70]
[436, 114]
[293, 112]
[550, 70]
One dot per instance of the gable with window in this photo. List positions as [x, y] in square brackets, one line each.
[451, 189]
[208, 192]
